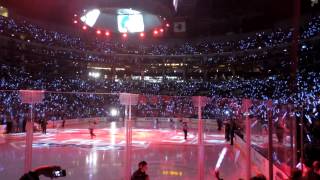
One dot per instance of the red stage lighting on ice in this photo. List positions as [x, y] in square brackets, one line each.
[98, 32]
[84, 27]
[161, 30]
[107, 33]
[167, 25]
[124, 35]
[75, 22]
[142, 34]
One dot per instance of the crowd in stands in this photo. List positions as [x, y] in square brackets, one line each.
[65, 46]
[226, 94]
[21, 29]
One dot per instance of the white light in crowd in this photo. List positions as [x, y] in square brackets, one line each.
[308, 136]
[308, 118]
[91, 17]
[298, 165]
[94, 74]
[113, 112]
[227, 112]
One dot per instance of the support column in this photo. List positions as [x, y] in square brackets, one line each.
[200, 142]
[292, 136]
[200, 123]
[246, 104]
[29, 139]
[128, 143]
[128, 100]
[200, 102]
[30, 97]
[248, 145]
[301, 139]
[270, 141]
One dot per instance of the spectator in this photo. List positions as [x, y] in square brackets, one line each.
[259, 177]
[141, 173]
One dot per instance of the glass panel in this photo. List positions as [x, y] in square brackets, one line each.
[84, 128]
[259, 126]
[93, 127]
[283, 137]
[13, 116]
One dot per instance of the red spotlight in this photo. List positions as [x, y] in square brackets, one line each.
[142, 34]
[84, 27]
[167, 25]
[124, 35]
[161, 30]
[107, 33]
[155, 32]
[75, 22]
[98, 32]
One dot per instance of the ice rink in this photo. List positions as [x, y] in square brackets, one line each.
[168, 155]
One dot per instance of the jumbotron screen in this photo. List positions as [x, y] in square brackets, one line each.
[130, 21]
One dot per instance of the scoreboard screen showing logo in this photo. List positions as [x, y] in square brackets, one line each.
[130, 21]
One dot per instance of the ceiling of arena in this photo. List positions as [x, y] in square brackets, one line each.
[203, 16]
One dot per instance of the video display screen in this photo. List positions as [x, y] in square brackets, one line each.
[91, 17]
[130, 21]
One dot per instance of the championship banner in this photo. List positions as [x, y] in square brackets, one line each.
[31, 96]
[128, 99]
[199, 100]
[179, 26]
[246, 103]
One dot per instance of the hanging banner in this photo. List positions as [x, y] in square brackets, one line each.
[31, 96]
